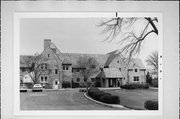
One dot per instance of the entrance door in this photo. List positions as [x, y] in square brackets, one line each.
[56, 82]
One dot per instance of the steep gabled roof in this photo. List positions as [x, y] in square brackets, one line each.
[136, 63]
[111, 56]
[112, 73]
[73, 57]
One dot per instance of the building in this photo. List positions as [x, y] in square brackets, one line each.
[59, 68]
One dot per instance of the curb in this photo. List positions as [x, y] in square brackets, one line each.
[105, 104]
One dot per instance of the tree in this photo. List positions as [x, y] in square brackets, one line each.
[152, 61]
[37, 66]
[148, 78]
[132, 31]
[88, 66]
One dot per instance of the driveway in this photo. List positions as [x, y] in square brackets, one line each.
[58, 100]
[135, 98]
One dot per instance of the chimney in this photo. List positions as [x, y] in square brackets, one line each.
[47, 42]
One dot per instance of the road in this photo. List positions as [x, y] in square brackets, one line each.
[58, 100]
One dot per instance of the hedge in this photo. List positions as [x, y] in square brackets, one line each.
[66, 84]
[101, 96]
[151, 105]
[135, 86]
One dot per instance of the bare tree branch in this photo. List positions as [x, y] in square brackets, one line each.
[130, 39]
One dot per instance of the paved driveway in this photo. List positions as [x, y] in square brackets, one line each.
[58, 100]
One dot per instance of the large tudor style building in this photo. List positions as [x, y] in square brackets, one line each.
[63, 68]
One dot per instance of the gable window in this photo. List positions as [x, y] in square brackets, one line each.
[48, 55]
[56, 71]
[136, 78]
[135, 70]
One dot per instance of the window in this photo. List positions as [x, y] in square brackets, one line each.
[65, 67]
[41, 79]
[42, 66]
[136, 78]
[119, 69]
[77, 70]
[48, 55]
[135, 70]
[56, 71]
[45, 78]
[118, 61]
[56, 82]
[78, 79]
[45, 66]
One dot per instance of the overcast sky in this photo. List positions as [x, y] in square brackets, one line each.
[71, 35]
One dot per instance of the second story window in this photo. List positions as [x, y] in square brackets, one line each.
[65, 67]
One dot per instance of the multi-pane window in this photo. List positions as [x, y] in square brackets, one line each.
[65, 67]
[45, 78]
[41, 79]
[56, 71]
[136, 78]
[45, 66]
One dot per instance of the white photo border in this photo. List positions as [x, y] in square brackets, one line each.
[16, 42]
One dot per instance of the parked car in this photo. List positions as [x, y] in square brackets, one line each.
[37, 87]
[23, 88]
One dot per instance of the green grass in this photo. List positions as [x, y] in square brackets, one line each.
[135, 98]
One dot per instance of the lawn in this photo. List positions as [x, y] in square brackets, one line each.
[135, 98]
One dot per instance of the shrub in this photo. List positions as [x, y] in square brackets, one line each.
[151, 105]
[135, 86]
[75, 85]
[155, 83]
[96, 94]
[82, 85]
[66, 84]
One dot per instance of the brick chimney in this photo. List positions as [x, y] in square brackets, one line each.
[47, 42]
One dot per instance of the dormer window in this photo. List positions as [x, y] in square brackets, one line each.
[135, 70]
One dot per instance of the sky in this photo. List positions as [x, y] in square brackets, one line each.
[72, 35]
